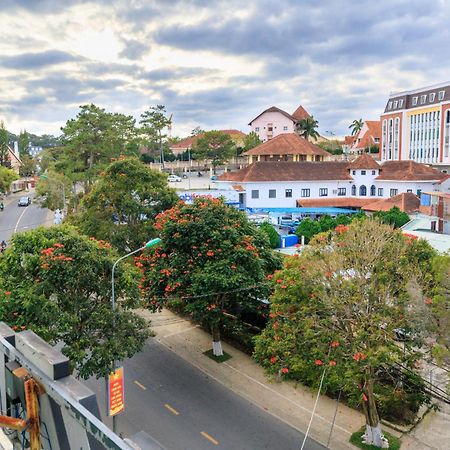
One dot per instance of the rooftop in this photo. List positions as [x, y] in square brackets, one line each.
[364, 161]
[409, 171]
[406, 202]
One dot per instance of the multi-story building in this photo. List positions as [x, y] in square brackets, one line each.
[274, 121]
[416, 126]
[330, 183]
[368, 137]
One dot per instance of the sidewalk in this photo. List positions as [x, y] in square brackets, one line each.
[291, 404]
[287, 401]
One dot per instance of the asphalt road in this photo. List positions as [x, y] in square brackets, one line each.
[15, 219]
[184, 409]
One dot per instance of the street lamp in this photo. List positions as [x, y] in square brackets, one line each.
[149, 244]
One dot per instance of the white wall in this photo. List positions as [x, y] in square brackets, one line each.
[278, 120]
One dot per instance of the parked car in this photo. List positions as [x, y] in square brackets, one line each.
[24, 201]
[213, 177]
[174, 178]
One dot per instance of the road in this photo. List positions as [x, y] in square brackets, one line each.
[184, 409]
[14, 219]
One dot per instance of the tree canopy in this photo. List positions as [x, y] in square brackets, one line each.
[4, 141]
[211, 257]
[337, 306]
[216, 146]
[307, 128]
[7, 176]
[58, 283]
[123, 204]
[393, 217]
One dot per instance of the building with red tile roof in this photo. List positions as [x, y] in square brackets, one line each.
[333, 183]
[406, 202]
[368, 136]
[287, 147]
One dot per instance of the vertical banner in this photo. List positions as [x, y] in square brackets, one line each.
[116, 395]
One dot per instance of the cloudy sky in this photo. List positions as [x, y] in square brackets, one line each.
[216, 64]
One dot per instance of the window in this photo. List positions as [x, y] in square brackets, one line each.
[256, 128]
[390, 105]
[409, 190]
[342, 191]
[255, 193]
[414, 101]
[393, 192]
[353, 190]
[288, 193]
[380, 192]
[374, 172]
[363, 172]
[441, 95]
[272, 193]
[373, 190]
[395, 104]
[423, 99]
[306, 193]
[400, 103]
[353, 172]
[323, 192]
[432, 97]
[285, 128]
[362, 191]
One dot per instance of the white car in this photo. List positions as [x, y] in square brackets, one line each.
[173, 178]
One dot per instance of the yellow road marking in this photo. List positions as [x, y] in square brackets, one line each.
[210, 438]
[140, 385]
[172, 410]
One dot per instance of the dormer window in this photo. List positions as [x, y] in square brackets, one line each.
[441, 95]
[390, 105]
[423, 99]
[400, 103]
[414, 101]
[395, 104]
[432, 96]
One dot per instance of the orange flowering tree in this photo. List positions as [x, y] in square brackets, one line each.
[57, 283]
[336, 308]
[122, 205]
[212, 258]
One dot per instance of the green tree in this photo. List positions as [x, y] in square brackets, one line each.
[215, 146]
[393, 217]
[28, 166]
[4, 146]
[91, 140]
[58, 283]
[54, 189]
[335, 311]
[24, 142]
[123, 204]
[251, 141]
[7, 176]
[153, 123]
[307, 128]
[211, 257]
[307, 228]
[274, 237]
[326, 223]
[196, 131]
[356, 126]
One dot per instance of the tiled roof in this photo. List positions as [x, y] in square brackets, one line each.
[289, 171]
[406, 202]
[287, 144]
[438, 194]
[340, 202]
[238, 188]
[365, 161]
[373, 132]
[300, 113]
[349, 140]
[409, 171]
[190, 141]
[275, 109]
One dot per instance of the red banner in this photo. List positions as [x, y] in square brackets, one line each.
[116, 395]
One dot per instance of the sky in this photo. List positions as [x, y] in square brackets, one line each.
[216, 63]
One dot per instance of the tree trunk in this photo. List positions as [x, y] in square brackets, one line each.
[217, 345]
[373, 434]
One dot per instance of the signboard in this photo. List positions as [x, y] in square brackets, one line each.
[116, 395]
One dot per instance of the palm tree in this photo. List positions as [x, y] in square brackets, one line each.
[307, 128]
[356, 126]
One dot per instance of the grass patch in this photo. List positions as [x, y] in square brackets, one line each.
[355, 439]
[217, 359]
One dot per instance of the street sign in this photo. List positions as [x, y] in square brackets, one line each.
[116, 396]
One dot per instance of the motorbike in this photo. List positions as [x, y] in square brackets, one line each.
[2, 207]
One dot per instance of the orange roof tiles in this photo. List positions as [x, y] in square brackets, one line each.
[406, 202]
[364, 161]
[275, 109]
[287, 144]
[289, 171]
[300, 113]
[408, 170]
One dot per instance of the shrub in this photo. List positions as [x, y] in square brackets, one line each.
[269, 230]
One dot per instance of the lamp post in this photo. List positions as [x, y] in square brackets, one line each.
[149, 244]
